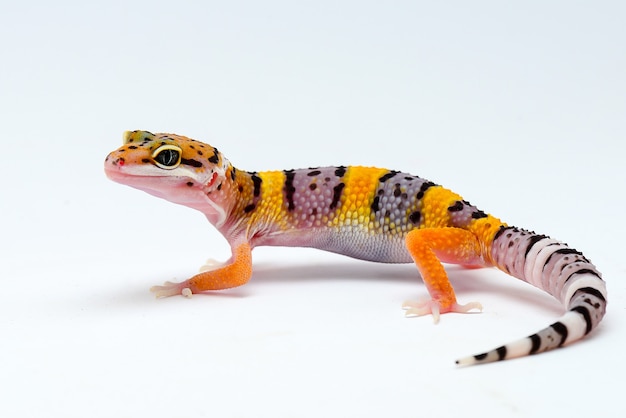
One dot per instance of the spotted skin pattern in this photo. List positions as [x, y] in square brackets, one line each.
[367, 213]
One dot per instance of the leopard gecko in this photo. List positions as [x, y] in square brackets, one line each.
[367, 213]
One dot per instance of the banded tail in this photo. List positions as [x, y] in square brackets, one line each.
[561, 271]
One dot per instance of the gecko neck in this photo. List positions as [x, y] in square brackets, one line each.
[228, 200]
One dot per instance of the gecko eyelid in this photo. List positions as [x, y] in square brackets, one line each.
[167, 157]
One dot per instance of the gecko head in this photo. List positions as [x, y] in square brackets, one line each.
[172, 167]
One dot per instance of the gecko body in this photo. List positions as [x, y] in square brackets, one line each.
[367, 213]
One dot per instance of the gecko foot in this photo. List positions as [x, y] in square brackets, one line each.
[171, 289]
[435, 309]
[211, 264]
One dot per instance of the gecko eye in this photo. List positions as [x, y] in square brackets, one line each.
[167, 157]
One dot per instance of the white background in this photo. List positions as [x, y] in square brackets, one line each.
[520, 108]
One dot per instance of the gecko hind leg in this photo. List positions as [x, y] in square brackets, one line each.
[428, 248]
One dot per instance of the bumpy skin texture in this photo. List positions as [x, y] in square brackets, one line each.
[363, 212]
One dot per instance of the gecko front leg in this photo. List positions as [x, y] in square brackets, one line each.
[237, 273]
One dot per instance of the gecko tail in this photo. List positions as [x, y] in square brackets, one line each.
[559, 270]
[571, 327]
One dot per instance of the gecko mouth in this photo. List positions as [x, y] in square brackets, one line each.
[182, 190]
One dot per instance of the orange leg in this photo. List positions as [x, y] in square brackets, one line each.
[428, 248]
[236, 273]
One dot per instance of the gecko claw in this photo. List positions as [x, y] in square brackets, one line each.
[171, 289]
[435, 309]
[210, 265]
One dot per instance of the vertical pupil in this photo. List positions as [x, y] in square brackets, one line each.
[168, 157]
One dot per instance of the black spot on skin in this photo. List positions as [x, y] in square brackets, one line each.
[219, 187]
[535, 342]
[256, 180]
[586, 316]
[387, 176]
[340, 171]
[313, 186]
[381, 192]
[561, 251]
[425, 186]
[501, 231]
[214, 159]
[289, 189]
[532, 241]
[478, 214]
[590, 291]
[249, 208]
[375, 207]
[408, 178]
[240, 188]
[327, 179]
[233, 173]
[560, 329]
[458, 206]
[313, 173]
[501, 352]
[200, 153]
[415, 217]
[191, 162]
[132, 147]
[189, 184]
[314, 212]
[192, 147]
[480, 357]
[337, 195]
[511, 243]
[397, 192]
[145, 160]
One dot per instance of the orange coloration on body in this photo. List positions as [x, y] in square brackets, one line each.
[429, 247]
[231, 275]
[485, 229]
[435, 207]
[237, 273]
